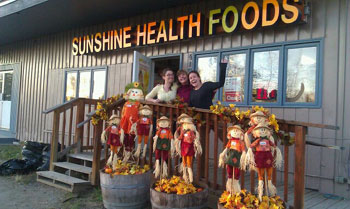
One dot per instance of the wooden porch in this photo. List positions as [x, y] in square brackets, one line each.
[74, 118]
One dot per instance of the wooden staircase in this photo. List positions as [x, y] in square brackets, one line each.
[81, 169]
[74, 175]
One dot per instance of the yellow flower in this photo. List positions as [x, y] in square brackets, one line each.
[232, 105]
[136, 84]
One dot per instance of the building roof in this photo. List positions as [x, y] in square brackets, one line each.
[26, 19]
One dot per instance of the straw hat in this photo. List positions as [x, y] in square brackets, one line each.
[183, 115]
[234, 127]
[187, 120]
[262, 125]
[163, 118]
[145, 107]
[258, 113]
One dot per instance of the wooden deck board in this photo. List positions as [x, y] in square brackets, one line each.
[61, 177]
[85, 156]
[74, 167]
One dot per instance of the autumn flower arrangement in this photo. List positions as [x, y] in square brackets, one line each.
[126, 169]
[101, 109]
[232, 114]
[245, 200]
[176, 185]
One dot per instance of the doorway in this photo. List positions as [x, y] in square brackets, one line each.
[10, 76]
[160, 64]
[148, 70]
[5, 98]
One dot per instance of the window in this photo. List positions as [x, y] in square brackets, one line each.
[234, 88]
[285, 74]
[207, 68]
[85, 83]
[301, 75]
[265, 76]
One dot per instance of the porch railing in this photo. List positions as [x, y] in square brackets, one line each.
[213, 130]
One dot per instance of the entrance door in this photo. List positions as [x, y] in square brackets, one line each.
[148, 70]
[5, 98]
[142, 70]
[172, 62]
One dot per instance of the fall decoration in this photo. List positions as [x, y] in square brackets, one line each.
[125, 169]
[176, 185]
[101, 109]
[245, 200]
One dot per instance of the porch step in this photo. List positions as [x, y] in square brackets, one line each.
[86, 156]
[73, 167]
[62, 181]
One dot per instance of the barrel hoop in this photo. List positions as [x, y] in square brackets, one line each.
[125, 204]
[133, 186]
[195, 207]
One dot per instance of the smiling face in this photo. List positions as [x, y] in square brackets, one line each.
[183, 79]
[164, 124]
[146, 112]
[135, 94]
[195, 80]
[236, 133]
[168, 77]
[261, 132]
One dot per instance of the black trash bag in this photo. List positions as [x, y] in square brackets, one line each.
[15, 166]
[34, 158]
[45, 161]
[34, 146]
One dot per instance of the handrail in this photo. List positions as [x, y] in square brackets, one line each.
[92, 113]
[288, 122]
[65, 105]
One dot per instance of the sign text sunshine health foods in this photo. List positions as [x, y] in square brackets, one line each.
[225, 20]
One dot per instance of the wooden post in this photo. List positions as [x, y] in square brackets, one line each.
[215, 151]
[252, 181]
[63, 130]
[70, 126]
[224, 141]
[299, 168]
[170, 170]
[285, 174]
[54, 140]
[79, 132]
[97, 154]
[206, 148]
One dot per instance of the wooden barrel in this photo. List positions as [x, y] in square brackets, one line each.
[160, 200]
[125, 191]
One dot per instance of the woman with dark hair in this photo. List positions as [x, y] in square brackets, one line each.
[201, 95]
[165, 92]
[185, 88]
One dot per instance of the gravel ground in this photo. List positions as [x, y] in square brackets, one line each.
[25, 192]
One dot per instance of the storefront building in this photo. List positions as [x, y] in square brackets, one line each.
[290, 56]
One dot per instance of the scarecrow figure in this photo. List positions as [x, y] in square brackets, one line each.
[133, 95]
[113, 134]
[163, 143]
[144, 129]
[234, 157]
[190, 147]
[255, 119]
[264, 159]
[180, 121]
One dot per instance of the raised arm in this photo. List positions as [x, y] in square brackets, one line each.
[216, 85]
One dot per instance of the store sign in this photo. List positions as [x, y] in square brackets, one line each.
[226, 20]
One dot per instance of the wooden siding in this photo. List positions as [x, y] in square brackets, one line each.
[45, 59]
